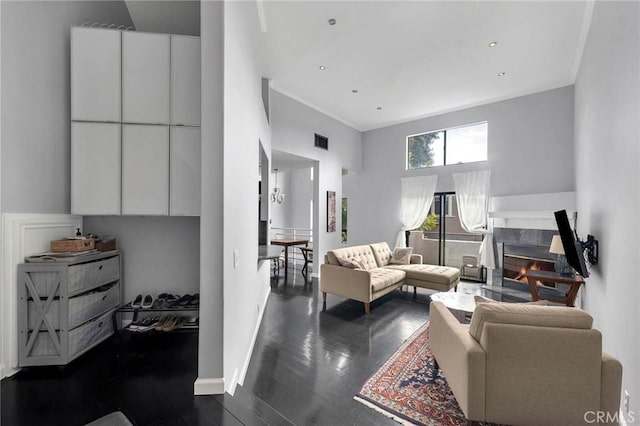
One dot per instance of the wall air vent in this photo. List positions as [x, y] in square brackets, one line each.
[321, 141]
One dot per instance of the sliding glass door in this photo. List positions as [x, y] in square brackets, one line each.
[445, 242]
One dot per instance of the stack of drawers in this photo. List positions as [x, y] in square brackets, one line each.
[65, 308]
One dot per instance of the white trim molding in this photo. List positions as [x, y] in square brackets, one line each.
[23, 235]
[208, 386]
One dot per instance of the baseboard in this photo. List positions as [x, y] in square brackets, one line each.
[247, 360]
[233, 383]
[208, 386]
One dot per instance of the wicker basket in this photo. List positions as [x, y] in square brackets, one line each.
[72, 246]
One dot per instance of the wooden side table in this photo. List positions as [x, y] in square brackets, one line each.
[574, 281]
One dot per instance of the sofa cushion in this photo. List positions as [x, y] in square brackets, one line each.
[433, 273]
[382, 278]
[401, 256]
[524, 314]
[363, 254]
[382, 253]
[351, 263]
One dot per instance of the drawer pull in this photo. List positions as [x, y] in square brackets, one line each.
[104, 297]
[100, 325]
[100, 267]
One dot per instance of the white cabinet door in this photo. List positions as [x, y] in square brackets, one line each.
[185, 171]
[95, 168]
[145, 169]
[185, 80]
[95, 74]
[145, 78]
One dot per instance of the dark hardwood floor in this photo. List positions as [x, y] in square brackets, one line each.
[308, 363]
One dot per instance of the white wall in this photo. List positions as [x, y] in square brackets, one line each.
[301, 190]
[530, 150]
[159, 254]
[36, 130]
[293, 126]
[607, 127]
[246, 285]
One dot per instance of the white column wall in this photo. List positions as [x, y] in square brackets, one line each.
[607, 155]
[246, 282]
[210, 343]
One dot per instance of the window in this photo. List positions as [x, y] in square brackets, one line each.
[449, 201]
[457, 145]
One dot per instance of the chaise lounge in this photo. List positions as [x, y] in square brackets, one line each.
[367, 272]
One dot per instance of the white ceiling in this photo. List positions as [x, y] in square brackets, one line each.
[416, 59]
[165, 16]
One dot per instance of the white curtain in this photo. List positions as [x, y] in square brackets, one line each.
[472, 195]
[416, 198]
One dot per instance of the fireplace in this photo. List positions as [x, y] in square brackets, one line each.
[518, 258]
[516, 250]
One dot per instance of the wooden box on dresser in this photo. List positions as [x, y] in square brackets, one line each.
[65, 306]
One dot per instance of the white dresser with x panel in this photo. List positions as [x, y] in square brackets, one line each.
[65, 307]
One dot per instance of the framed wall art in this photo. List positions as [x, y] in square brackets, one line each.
[331, 211]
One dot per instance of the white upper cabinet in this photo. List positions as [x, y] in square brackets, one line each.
[185, 171]
[145, 169]
[95, 168]
[95, 74]
[185, 80]
[146, 78]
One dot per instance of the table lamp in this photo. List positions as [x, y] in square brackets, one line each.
[561, 266]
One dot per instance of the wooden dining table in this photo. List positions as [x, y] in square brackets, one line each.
[286, 243]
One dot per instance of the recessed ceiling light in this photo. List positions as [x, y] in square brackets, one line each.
[493, 44]
[379, 108]
[502, 74]
[322, 67]
[332, 21]
[354, 91]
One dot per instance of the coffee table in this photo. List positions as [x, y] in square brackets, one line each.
[460, 304]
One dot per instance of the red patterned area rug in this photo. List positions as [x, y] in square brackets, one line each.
[409, 389]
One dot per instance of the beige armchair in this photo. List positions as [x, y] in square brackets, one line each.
[521, 364]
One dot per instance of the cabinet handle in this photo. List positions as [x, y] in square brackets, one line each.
[100, 267]
[100, 325]
[104, 297]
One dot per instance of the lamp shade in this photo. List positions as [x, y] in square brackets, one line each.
[556, 245]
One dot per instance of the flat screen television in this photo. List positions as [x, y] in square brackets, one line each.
[572, 247]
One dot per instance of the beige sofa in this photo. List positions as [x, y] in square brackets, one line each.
[376, 276]
[521, 364]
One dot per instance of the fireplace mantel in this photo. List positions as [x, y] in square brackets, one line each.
[530, 219]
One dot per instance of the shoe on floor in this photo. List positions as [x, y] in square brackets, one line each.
[162, 322]
[147, 302]
[137, 302]
[148, 324]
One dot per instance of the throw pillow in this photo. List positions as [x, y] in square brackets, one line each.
[351, 263]
[401, 256]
